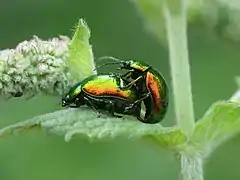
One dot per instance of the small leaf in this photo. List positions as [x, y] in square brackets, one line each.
[80, 61]
[220, 123]
[84, 121]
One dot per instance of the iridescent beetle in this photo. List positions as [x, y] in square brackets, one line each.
[151, 86]
[104, 92]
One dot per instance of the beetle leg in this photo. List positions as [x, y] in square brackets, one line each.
[112, 111]
[129, 85]
[73, 106]
[145, 96]
[132, 82]
[140, 119]
[135, 80]
[127, 74]
[137, 101]
[93, 106]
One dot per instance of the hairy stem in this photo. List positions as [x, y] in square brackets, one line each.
[176, 26]
[191, 167]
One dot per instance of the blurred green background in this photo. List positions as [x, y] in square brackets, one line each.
[118, 31]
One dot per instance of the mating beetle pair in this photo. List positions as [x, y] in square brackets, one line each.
[124, 93]
[103, 92]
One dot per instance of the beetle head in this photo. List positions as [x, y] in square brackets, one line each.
[66, 100]
[72, 97]
[125, 64]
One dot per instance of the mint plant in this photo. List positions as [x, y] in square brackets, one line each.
[54, 65]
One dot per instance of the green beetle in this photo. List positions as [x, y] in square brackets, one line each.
[151, 85]
[104, 92]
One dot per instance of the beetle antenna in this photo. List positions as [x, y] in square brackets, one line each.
[109, 57]
[117, 61]
[105, 65]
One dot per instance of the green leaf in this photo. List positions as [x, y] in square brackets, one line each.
[80, 61]
[84, 121]
[220, 123]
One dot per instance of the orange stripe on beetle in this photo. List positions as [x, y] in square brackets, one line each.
[153, 87]
[101, 90]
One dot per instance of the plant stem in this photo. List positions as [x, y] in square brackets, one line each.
[176, 26]
[191, 167]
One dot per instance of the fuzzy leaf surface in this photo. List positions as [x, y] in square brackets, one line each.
[84, 122]
[220, 123]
